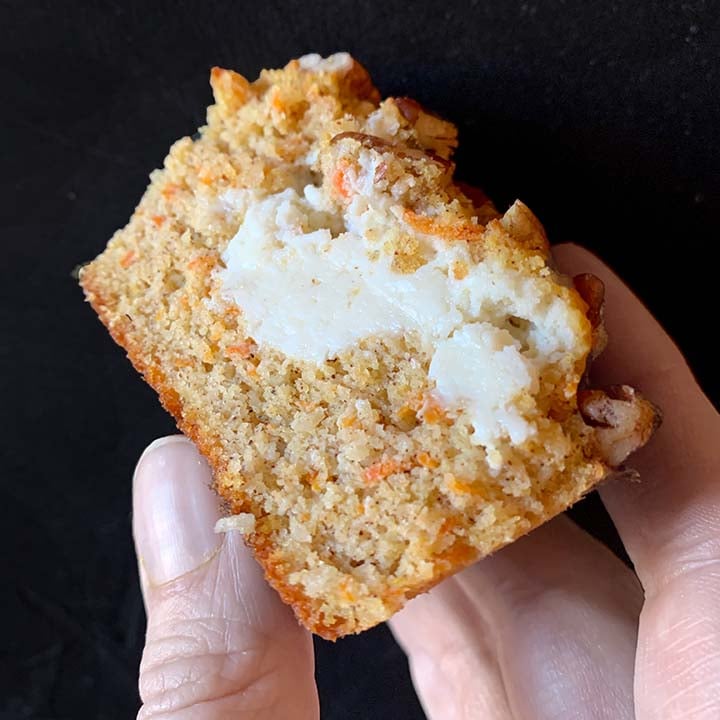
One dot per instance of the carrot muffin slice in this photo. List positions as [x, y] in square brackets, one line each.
[385, 373]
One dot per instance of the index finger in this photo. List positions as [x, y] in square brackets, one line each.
[670, 520]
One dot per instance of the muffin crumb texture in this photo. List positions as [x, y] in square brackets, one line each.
[381, 368]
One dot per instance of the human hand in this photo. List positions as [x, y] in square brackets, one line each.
[553, 626]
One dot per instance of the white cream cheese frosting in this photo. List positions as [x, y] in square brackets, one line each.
[312, 284]
[338, 62]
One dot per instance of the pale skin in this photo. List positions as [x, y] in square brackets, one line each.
[553, 626]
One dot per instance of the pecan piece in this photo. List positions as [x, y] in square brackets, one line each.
[433, 132]
[622, 418]
[592, 291]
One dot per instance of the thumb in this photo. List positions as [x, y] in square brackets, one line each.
[219, 641]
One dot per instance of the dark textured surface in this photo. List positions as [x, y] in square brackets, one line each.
[602, 116]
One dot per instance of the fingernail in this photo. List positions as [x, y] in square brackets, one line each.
[174, 510]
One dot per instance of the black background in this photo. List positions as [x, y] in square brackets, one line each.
[602, 116]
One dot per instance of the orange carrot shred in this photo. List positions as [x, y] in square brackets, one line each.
[128, 259]
[453, 231]
[340, 181]
[206, 176]
[382, 469]
[169, 190]
[201, 262]
[243, 349]
[432, 413]
[426, 460]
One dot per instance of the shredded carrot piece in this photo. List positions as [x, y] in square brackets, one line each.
[349, 421]
[382, 469]
[128, 259]
[169, 190]
[158, 220]
[183, 362]
[339, 180]
[432, 413]
[458, 230]
[457, 486]
[277, 102]
[201, 262]
[459, 553]
[448, 525]
[462, 487]
[426, 460]
[205, 176]
[243, 349]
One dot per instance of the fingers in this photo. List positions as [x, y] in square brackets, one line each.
[675, 511]
[670, 520]
[546, 628]
[219, 643]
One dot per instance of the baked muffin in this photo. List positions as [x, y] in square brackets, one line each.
[385, 373]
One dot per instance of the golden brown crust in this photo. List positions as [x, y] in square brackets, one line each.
[304, 608]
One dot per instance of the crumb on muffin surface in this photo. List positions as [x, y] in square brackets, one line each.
[366, 484]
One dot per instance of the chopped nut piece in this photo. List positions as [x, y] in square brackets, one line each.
[623, 420]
